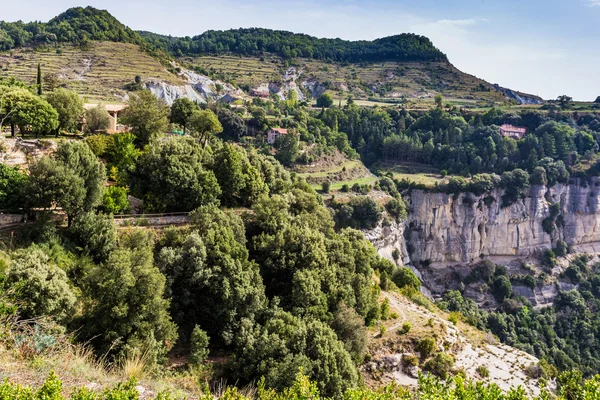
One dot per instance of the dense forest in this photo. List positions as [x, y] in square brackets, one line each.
[278, 287]
[76, 25]
[566, 335]
[79, 25]
[257, 41]
[266, 274]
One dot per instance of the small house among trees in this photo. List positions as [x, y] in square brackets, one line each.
[274, 133]
[515, 132]
[114, 110]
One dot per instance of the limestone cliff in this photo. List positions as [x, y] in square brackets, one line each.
[462, 228]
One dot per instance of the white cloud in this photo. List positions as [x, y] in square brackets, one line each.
[593, 3]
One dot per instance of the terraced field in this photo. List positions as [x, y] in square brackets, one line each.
[377, 82]
[99, 72]
[241, 70]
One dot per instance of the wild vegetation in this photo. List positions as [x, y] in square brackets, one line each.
[266, 281]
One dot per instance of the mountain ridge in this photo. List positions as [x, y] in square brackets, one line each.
[389, 69]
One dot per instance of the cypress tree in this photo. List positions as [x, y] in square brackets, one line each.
[39, 80]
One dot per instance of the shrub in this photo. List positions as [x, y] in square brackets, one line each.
[198, 346]
[99, 144]
[115, 200]
[483, 371]
[396, 208]
[345, 188]
[326, 186]
[454, 317]
[384, 310]
[502, 288]
[405, 328]
[405, 277]
[426, 347]
[409, 360]
[42, 288]
[440, 365]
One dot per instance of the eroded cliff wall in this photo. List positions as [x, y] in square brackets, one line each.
[462, 228]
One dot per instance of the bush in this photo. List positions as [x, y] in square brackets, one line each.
[326, 186]
[384, 310]
[41, 287]
[440, 365]
[426, 347]
[99, 144]
[483, 371]
[405, 277]
[345, 188]
[405, 328]
[396, 208]
[409, 360]
[502, 288]
[115, 200]
[95, 234]
[198, 346]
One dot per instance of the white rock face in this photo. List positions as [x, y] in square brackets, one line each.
[200, 88]
[447, 228]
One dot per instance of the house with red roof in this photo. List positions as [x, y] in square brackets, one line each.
[274, 133]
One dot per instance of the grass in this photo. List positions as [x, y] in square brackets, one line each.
[370, 180]
[349, 165]
[98, 73]
[418, 173]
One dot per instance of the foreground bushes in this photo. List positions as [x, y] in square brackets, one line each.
[430, 388]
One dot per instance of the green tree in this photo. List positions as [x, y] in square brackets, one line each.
[284, 344]
[170, 176]
[211, 280]
[51, 185]
[38, 81]
[234, 126]
[199, 346]
[42, 288]
[439, 100]
[287, 148]
[240, 182]
[147, 116]
[122, 152]
[181, 111]
[12, 187]
[405, 277]
[125, 308]
[564, 101]
[69, 106]
[72, 179]
[97, 119]
[325, 101]
[95, 234]
[203, 124]
[35, 115]
[79, 158]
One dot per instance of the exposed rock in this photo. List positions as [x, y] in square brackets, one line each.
[464, 228]
[520, 98]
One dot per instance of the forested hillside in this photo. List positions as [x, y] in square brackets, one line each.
[257, 41]
[76, 25]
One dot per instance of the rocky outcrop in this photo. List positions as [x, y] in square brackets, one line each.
[520, 98]
[449, 228]
[199, 88]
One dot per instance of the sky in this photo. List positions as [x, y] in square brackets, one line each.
[543, 47]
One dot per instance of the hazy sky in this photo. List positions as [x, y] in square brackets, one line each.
[543, 47]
